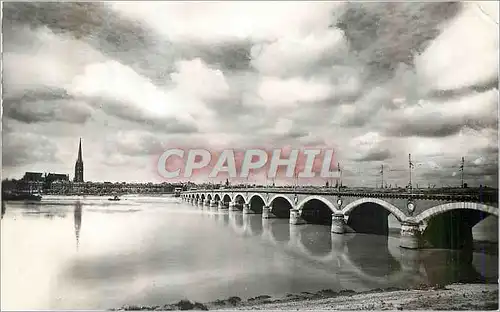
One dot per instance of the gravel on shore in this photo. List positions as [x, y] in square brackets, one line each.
[450, 297]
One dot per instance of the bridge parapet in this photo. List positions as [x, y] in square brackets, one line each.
[489, 196]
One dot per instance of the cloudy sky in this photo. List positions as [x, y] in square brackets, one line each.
[373, 81]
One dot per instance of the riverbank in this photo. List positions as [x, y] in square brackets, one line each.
[452, 297]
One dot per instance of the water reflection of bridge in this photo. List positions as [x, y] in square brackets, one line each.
[373, 259]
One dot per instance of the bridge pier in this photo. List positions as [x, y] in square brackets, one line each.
[338, 224]
[247, 210]
[222, 205]
[296, 218]
[410, 236]
[233, 206]
[266, 212]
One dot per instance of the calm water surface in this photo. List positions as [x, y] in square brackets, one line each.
[90, 253]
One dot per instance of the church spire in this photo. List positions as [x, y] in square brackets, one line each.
[79, 165]
[80, 151]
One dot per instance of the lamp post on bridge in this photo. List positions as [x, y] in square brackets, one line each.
[339, 185]
[411, 166]
[462, 171]
[382, 173]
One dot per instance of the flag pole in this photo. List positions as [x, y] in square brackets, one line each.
[382, 172]
[410, 164]
[462, 171]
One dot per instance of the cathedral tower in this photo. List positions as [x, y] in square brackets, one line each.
[79, 165]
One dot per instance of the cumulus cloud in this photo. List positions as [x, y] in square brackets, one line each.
[20, 149]
[433, 119]
[115, 82]
[284, 92]
[473, 61]
[196, 78]
[292, 55]
[370, 147]
[226, 21]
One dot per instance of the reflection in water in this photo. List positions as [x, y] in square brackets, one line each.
[3, 208]
[238, 219]
[338, 242]
[253, 224]
[225, 218]
[236, 222]
[409, 259]
[371, 254]
[279, 229]
[447, 266]
[38, 210]
[316, 239]
[78, 222]
[172, 252]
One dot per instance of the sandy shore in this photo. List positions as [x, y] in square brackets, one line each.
[451, 297]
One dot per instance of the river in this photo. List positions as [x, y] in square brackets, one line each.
[91, 253]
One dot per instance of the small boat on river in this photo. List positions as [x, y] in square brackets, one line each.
[116, 198]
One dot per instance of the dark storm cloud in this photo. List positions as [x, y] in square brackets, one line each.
[46, 105]
[376, 155]
[488, 150]
[465, 91]
[128, 41]
[40, 94]
[53, 104]
[25, 148]
[383, 35]
[446, 176]
[232, 56]
[129, 112]
[435, 126]
[232, 107]
[425, 129]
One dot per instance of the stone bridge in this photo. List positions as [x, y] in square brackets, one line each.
[427, 219]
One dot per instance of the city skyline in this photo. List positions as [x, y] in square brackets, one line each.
[374, 87]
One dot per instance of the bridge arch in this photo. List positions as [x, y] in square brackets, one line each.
[450, 225]
[429, 213]
[391, 208]
[256, 195]
[269, 203]
[242, 196]
[226, 198]
[209, 196]
[217, 197]
[256, 202]
[281, 206]
[325, 201]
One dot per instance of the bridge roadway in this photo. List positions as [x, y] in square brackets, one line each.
[427, 219]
